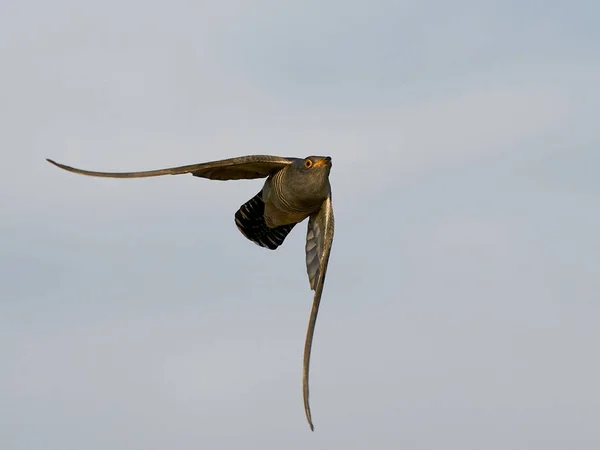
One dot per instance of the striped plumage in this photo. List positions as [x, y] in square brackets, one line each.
[250, 220]
[294, 189]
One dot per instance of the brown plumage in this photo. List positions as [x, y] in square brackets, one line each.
[294, 189]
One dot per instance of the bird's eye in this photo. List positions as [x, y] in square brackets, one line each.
[308, 163]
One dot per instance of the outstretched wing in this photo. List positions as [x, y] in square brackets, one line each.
[242, 168]
[318, 247]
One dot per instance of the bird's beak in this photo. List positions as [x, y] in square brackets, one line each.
[323, 162]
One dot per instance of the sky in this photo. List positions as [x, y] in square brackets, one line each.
[462, 299]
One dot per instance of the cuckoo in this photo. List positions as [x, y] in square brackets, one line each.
[294, 189]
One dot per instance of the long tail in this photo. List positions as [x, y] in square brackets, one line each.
[250, 220]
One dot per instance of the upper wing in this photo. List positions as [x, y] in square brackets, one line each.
[244, 167]
[318, 247]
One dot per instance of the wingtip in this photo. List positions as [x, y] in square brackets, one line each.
[309, 416]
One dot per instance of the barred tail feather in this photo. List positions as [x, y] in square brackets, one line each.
[250, 220]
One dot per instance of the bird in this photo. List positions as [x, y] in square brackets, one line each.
[295, 189]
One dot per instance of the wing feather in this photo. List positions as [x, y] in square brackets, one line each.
[319, 240]
[241, 168]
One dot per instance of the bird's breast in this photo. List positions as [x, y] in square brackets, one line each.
[286, 204]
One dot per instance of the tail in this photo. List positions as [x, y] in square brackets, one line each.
[250, 220]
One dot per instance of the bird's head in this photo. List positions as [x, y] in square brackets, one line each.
[308, 178]
[313, 166]
[313, 169]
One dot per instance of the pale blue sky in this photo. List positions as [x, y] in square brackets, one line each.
[462, 303]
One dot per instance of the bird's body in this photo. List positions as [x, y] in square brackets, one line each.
[282, 205]
[294, 189]
[289, 199]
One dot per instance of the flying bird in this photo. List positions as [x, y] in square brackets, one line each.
[294, 189]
